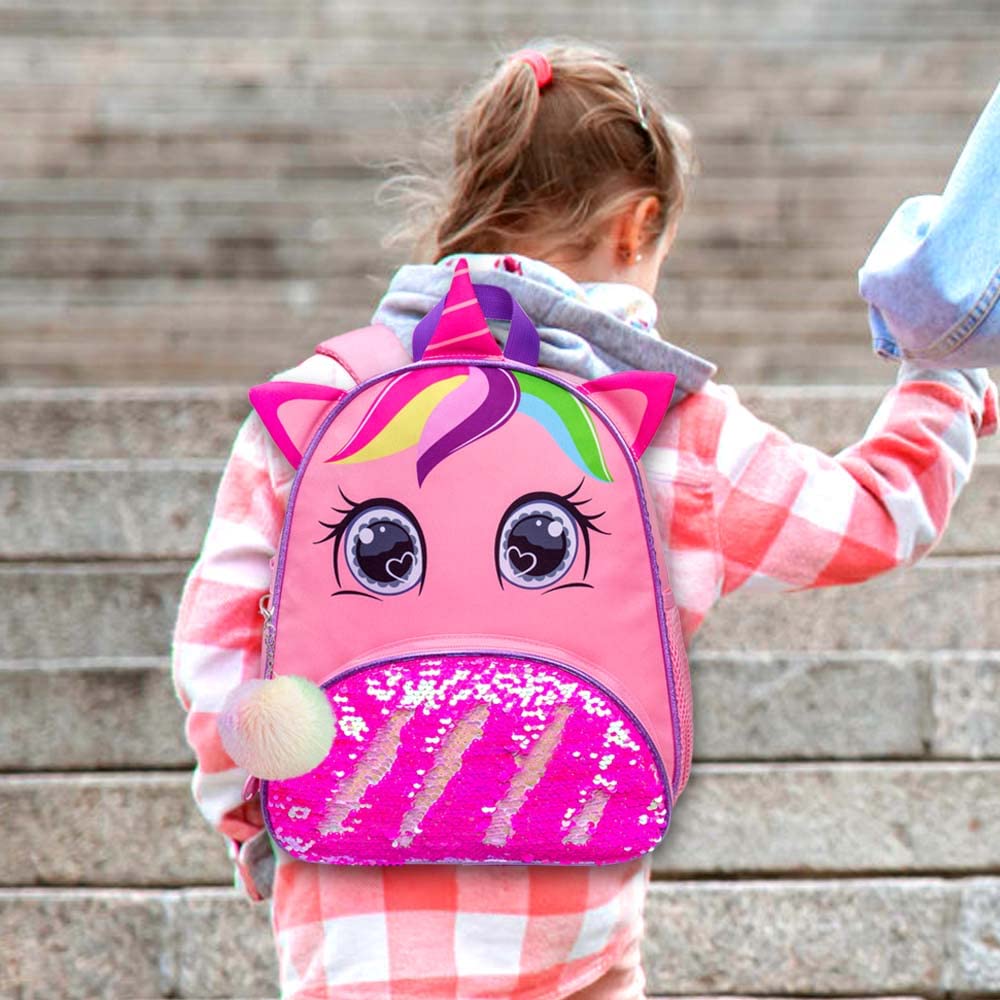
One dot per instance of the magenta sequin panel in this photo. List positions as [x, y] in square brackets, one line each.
[473, 759]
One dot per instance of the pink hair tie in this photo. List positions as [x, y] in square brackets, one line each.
[541, 66]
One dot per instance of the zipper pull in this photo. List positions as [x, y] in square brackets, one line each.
[267, 638]
[265, 608]
[250, 787]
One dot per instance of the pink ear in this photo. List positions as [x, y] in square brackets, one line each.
[291, 412]
[636, 401]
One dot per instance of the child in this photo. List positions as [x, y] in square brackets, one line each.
[567, 188]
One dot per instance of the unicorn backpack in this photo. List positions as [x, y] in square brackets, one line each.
[471, 653]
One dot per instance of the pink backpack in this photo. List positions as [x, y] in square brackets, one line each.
[471, 651]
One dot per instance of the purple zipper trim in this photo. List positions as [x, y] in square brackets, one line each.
[636, 478]
[583, 675]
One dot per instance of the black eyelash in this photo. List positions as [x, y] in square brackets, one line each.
[337, 530]
[584, 520]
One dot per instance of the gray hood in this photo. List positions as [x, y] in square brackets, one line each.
[604, 344]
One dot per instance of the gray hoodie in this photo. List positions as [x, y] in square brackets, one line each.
[610, 344]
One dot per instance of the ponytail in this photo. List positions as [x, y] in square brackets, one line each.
[548, 169]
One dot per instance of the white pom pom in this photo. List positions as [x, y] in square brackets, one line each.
[277, 728]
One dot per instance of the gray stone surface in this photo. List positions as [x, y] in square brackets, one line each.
[812, 937]
[84, 944]
[942, 603]
[57, 611]
[225, 946]
[966, 705]
[846, 818]
[65, 709]
[733, 819]
[789, 936]
[975, 965]
[117, 943]
[113, 829]
[107, 509]
[185, 162]
[135, 422]
[757, 704]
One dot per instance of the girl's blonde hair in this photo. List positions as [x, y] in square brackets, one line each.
[547, 168]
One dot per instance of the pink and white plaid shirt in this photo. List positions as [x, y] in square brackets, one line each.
[739, 504]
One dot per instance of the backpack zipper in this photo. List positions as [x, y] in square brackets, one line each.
[252, 784]
[267, 642]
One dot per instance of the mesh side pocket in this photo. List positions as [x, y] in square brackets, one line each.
[682, 688]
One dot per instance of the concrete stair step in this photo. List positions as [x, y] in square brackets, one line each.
[936, 74]
[824, 818]
[63, 710]
[723, 80]
[57, 610]
[201, 421]
[157, 146]
[748, 707]
[22, 299]
[854, 936]
[160, 508]
[773, 210]
[895, 22]
[218, 237]
[306, 230]
[238, 355]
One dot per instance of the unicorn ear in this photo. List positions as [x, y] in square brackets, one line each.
[291, 412]
[461, 331]
[636, 401]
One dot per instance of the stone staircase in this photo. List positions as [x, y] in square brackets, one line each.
[840, 834]
[187, 203]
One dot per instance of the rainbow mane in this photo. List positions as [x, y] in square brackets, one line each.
[441, 410]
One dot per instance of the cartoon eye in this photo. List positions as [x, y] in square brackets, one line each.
[384, 549]
[537, 542]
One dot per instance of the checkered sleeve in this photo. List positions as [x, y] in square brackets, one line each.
[790, 517]
[218, 631]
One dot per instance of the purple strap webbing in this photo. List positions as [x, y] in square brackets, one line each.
[496, 303]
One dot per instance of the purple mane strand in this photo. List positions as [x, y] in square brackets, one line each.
[440, 410]
[481, 405]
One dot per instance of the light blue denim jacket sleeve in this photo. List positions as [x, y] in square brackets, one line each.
[932, 279]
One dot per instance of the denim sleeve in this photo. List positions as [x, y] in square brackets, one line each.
[932, 279]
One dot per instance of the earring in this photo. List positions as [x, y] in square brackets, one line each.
[638, 257]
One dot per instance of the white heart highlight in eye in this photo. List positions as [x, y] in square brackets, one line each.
[513, 550]
[407, 558]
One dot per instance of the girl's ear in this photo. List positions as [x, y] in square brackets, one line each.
[636, 401]
[291, 412]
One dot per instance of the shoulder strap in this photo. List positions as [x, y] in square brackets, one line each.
[367, 351]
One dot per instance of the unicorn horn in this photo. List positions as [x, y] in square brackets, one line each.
[461, 331]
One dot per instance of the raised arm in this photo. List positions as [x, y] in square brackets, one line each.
[790, 517]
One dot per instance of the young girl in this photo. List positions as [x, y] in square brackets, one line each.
[567, 187]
